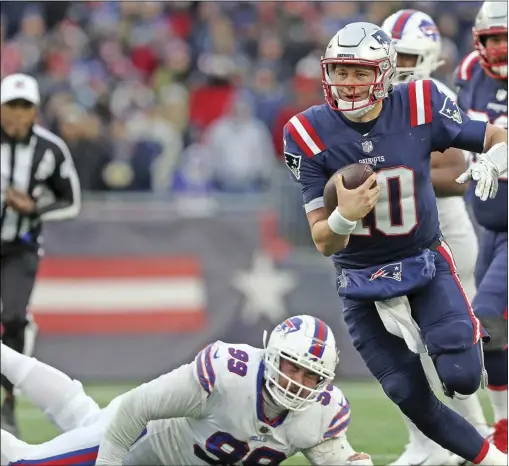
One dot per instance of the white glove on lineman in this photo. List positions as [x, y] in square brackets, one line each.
[486, 171]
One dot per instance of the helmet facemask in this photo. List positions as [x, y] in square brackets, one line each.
[292, 395]
[493, 59]
[376, 88]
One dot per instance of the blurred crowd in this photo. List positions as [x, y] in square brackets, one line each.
[187, 96]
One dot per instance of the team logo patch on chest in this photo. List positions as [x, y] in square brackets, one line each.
[293, 163]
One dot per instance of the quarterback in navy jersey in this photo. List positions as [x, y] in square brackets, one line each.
[418, 45]
[481, 80]
[394, 272]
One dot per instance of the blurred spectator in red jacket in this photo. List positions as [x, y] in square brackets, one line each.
[306, 92]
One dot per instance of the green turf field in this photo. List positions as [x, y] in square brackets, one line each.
[375, 426]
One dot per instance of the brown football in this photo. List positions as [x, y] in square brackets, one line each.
[353, 176]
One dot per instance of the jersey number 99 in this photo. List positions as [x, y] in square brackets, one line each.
[237, 363]
[393, 216]
[229, 450]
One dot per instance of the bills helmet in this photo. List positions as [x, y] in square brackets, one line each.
[491, 21]
[415, 33]
[359, 44]
[307, 342]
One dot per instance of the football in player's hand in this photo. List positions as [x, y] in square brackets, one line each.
[353, 176]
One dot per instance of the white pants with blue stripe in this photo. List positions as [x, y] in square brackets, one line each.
[78, 446]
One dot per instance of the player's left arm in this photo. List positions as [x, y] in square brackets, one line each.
[334, 448]
[490, 165]
[445, 168]
[451, 127]
[495, 135]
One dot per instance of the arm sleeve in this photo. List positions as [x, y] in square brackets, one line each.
[335, 451]
[172, 395]
[65, 185]
[308, 171]
[452, 127]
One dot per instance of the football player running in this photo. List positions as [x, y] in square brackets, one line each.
[417, 42]
[234, 404]
[481, 80]
[396, 277]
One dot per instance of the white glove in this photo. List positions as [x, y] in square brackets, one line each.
[486, 171]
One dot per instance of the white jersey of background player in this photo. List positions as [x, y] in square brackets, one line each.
[233, 404]
[418, 45]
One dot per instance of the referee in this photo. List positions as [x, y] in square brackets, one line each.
[33, 161]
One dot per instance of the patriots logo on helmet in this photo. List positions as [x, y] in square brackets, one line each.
[290, 325]
[392, 271]
[429, 29]
[383, 39]
[450, 110]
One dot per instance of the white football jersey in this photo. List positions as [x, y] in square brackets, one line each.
[232, 427]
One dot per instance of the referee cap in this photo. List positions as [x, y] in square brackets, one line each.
[19, 86]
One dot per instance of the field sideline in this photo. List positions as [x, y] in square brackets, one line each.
[376, 426]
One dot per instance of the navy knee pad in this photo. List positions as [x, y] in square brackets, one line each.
[460, 372]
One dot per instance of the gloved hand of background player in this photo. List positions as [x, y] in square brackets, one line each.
[485, 172]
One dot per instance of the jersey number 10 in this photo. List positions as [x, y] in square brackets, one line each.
[393, 216]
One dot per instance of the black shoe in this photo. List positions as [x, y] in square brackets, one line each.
[8, 419]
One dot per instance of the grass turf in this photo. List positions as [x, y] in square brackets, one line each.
[375, 428]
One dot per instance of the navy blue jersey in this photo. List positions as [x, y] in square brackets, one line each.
[416, 119]
[484, 99]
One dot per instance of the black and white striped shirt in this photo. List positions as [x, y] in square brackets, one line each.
[42, 163]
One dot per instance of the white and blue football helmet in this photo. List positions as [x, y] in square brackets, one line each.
[415, 33]
[308, 342]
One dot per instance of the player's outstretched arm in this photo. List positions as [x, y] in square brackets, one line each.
[494, 135]
[451, 127]
[335, 452]
[490, 165]
[176, 394]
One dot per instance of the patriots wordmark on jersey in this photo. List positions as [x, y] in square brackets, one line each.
[416, 119]
[484, 98]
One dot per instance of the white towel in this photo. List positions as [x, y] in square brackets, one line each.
[397, 318]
